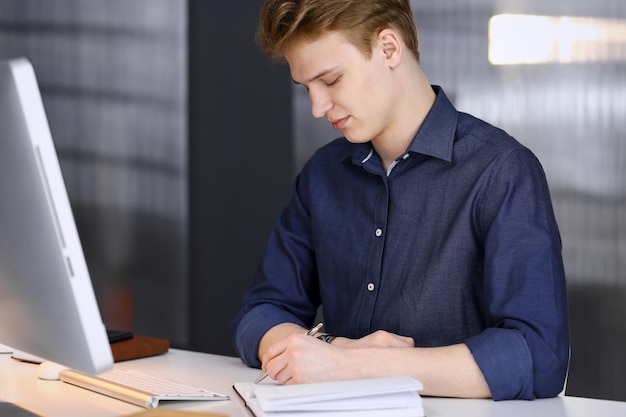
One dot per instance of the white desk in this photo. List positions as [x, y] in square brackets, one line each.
[19, 384]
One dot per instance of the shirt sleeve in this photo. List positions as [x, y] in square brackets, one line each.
[524, 352]
[252, 325]
[285, 288]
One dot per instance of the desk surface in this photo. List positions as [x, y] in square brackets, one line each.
[19, 384]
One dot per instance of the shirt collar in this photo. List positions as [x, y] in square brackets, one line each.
[434, 138]
[436, 135]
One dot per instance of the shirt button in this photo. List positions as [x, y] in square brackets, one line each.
[405, 156]
[370, 287]
[379, 232]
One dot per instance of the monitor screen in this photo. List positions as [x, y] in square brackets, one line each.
[47, 303]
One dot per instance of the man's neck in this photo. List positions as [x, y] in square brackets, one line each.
[416, 98]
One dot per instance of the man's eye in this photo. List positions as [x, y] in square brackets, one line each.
[335, 81]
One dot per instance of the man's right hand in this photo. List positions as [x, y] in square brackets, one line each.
[277, 333]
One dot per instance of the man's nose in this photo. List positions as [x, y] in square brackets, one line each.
[320, 103]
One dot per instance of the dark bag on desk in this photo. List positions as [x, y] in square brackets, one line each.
[138, 347]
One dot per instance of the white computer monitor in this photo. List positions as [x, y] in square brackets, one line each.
[47, 304]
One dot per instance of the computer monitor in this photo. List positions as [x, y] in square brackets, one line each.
[47, 304]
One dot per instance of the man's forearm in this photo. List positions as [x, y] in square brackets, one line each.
[448, 371]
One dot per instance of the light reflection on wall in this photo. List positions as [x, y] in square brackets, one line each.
[528, 39]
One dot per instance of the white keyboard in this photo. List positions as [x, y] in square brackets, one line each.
[137, 387]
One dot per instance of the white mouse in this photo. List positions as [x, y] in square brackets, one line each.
[49, 370]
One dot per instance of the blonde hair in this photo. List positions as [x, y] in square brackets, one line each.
[285, 22]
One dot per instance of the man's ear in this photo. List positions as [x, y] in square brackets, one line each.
[391, 46]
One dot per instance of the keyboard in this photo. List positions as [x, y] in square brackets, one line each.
[139, 388]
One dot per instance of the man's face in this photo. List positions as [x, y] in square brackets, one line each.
[344, 86]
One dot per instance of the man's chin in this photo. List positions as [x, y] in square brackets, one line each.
[354, 139]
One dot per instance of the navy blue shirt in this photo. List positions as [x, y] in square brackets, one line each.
[457, 243]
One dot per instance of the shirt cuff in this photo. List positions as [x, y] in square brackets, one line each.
[504, 358]
[254, 324]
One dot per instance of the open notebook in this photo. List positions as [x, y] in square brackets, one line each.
[389, 397]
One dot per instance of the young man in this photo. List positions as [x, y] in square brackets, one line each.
[426, 235]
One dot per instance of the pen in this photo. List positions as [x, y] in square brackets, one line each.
[311, 332]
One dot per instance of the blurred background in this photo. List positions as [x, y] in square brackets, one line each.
[179, 142]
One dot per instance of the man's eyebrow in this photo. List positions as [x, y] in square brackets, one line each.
[319, 74]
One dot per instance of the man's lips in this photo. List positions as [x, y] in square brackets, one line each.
[339, 123]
